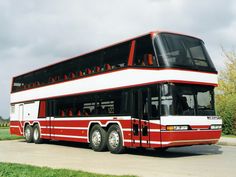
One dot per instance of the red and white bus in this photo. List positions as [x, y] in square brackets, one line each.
[152, 91]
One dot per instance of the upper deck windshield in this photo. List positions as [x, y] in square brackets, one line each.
[181, 51]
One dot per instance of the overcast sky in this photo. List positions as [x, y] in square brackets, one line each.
[36, 33]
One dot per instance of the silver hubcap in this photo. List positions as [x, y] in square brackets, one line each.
[96, 138]
[36, 134]
[27, 133]
[114, 139]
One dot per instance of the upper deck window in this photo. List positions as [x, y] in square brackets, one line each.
[144, 53]
[102, 60]
[182, 51]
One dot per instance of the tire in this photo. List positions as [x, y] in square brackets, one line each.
[36, 135]
[98, 138]
[114, 140]
[28, 133]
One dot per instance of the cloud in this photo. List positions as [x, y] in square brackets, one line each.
[36, 33]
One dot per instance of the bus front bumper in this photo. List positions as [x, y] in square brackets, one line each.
[189, 137]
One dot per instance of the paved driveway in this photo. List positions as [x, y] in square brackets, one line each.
[187, 161]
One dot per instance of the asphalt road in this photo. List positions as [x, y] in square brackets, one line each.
[208, 161]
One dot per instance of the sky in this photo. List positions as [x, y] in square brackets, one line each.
[38, 32]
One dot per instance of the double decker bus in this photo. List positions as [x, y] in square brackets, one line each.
[152, 91]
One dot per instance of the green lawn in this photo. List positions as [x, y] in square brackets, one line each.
[5, 134]
[229, 136]
[18, 170]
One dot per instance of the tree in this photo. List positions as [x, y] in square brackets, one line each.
[226, 94]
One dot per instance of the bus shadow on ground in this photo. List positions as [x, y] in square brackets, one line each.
[195, 150]
[178, 151]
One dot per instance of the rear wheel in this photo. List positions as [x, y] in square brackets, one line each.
[36, 135]
[98, 138]
[115, 142]
[28, 134]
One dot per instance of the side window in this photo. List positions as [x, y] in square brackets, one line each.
[108, 103]
[145, 103]
[144, 53]
[88, 109]
[154, 107]
[166, 100]
[64, 107]
[135, 103]
[116, 56]
[140, 103]
[105, 107]
[126, 102]
[198, 55]
[102, 60]
[50, 108]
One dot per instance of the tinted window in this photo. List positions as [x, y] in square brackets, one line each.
[144, 54]
[182, 51]
[107, 103]
[188, 100]
[113, 57]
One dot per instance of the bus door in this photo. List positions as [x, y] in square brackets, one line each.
[21, 115]
[50, 118]
[140, 119]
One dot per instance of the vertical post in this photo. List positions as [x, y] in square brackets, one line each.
[131, 53]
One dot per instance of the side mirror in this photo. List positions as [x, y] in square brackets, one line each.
[165, 90]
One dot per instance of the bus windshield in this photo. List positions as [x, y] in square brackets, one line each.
[181, 51]
[182, 99]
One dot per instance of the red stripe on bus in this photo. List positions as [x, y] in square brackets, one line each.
[190, 135]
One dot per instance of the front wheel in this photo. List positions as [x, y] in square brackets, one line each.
[28, 134]
[115, 142]
[36, 135]
[98, 138]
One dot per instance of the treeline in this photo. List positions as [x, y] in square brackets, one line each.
[4, 122]
[226, 94]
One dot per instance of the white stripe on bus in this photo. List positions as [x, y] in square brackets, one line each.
[65, 136]
[67, 128]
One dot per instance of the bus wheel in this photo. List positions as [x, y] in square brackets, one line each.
[36, 135]
[98, 138]
[115, 142]
[28, 134]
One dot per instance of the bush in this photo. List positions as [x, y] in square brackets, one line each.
[226, 108]
[4, 124]
[226, 94]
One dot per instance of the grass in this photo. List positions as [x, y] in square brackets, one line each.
[5, 134]
[229, 136]
[20, 170]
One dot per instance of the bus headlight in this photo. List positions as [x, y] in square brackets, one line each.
[176, 127]
[216, 127]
